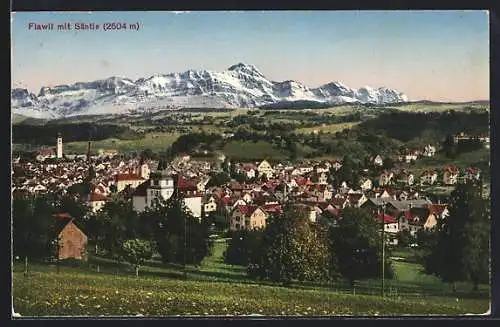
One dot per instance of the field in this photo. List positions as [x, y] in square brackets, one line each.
[153, 141]
[426, 107]
[217, 289]
[330, 128]
[248, 150]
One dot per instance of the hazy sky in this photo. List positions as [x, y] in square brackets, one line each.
[435, 55]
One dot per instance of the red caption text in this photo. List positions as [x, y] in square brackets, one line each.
[68, 26]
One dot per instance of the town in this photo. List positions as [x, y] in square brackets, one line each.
[247, 192]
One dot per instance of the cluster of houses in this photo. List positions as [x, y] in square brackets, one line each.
[450, 175]
[248, 204]
[483, 138]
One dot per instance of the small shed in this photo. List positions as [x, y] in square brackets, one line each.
[72, 240]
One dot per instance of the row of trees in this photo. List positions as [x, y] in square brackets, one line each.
[293, 248]
[116, 231]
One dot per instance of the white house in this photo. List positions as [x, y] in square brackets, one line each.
[158, 186]
[336, 164]
[429, 151]
[391, 228]
[429, 176]
[365, 184]
[264, 168]
[193, 203]
[322, 178]
[378, 161]
[210, 205]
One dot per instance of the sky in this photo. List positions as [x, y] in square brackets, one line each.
[431, 55]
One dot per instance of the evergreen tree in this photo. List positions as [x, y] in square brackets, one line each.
[348, 172]
[356, 241]
[449, 146]
[462, 250]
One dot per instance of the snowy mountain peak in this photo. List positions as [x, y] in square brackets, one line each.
[245, 68]
[241, 85]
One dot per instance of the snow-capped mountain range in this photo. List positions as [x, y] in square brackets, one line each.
[240, 86]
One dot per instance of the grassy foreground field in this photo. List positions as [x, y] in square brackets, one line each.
[218, 289]
[70, 293]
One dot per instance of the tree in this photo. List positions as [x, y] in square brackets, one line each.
[80, 189]
[219, 179]
[462, 246]
[388, 163]
[179, 236]
[356, 242]
[244, 247]
[293, 248]
[118, 222]
[33, 222]
[136, 251]
[76, 209]
[147, 154]
[449, 146]
[348, 172]
[404, 238]
[219, 219]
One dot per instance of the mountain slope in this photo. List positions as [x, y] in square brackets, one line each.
[241, 85]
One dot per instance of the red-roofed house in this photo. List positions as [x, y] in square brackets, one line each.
[472, 174]
[356, 199]
[450, 175]
[339, 202]
[405, 177]
[247, 217]
[415, 219]
[391, 227]
[440, 210]
[96, 201]
[45, 153]
[322, 191]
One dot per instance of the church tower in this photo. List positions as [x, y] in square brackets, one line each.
[59, 149]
